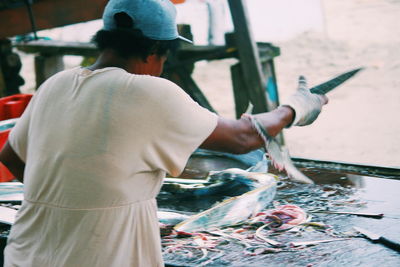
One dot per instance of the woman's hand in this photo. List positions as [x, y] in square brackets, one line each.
[305, 104]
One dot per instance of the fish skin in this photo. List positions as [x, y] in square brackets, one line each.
[229, 182]
[171, 218]
[231, 211]
[256, 177]
[280, 157]
[294, 173]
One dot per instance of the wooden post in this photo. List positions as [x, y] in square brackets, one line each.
[268, 69]
[248, 56]
[2, 83]
[46, 66]
[182, 77]
[240, 92]
[10, 66]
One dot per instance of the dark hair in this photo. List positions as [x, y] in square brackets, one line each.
[129, 42]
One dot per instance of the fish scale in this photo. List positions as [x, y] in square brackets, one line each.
[232, 210]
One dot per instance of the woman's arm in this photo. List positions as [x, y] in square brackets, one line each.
[11, 160]
[239, 136]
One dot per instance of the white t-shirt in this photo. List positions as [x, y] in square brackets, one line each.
[97, 145]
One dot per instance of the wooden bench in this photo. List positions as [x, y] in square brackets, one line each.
[49, 54]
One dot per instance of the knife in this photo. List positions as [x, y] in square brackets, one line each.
[280, 157]
[376, 238]
[328, 86]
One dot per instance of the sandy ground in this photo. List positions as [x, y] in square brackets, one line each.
[361, 123]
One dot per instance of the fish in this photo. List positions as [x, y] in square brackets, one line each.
[279, 156]
[235, 209]
[228, 182]
[168, 219]
[171, 217]
[7, 215]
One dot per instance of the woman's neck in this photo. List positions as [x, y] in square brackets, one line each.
[108, 58]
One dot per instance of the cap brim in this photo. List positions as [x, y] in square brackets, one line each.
[185, 39]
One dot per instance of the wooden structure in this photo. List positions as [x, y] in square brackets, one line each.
[47, 14]
[253, 77]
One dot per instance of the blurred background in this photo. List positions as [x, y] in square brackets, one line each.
[317, 38]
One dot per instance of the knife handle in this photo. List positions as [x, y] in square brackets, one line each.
[390, 243]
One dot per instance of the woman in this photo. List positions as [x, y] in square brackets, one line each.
[94, 145]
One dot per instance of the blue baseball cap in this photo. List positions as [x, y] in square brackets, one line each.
[155, 18]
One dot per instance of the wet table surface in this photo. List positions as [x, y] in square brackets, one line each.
[334, 190]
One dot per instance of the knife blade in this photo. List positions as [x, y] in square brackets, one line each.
[376, 238]
[328, 86]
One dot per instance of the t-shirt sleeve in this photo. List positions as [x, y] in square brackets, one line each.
[182, 125]
[18, 138]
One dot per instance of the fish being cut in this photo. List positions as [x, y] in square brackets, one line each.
[171, 217]
[279, 156]
[229, 182]
[233, 210]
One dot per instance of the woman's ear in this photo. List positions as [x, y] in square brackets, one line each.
[155, 64]
[154, 49]
[152, 65]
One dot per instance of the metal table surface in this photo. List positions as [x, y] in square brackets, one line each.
[339, 189]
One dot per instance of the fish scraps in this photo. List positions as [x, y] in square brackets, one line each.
[256, 236]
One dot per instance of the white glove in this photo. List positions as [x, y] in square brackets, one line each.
[306, 105]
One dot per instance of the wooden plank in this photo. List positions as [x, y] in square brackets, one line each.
[241, 96]
[248, 55]
[185, 54]
[2, 83]
[192, 54]
[50, 47]
[181, 76]
[240, 93]
[267, 51]
[268, 69]
[46, 66]
[49, 14]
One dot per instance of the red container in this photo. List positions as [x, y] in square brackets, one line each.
[5, 174]
[5, 129]
[13, 106]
